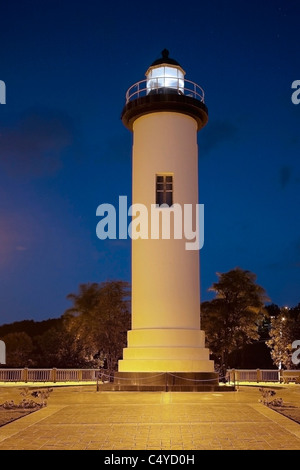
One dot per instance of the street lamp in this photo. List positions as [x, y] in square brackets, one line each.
[283, 318]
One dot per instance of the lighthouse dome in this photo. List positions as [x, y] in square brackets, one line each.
[165, 59]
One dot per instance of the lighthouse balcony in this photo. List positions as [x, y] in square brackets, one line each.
[165, 85]
[161, 95]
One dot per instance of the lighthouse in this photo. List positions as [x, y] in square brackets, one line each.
[164, 112]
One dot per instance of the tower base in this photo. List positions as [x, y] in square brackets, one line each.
[159, 350]
[165, 382]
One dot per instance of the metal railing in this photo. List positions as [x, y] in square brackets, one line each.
[141, 89]
[11, 375]
[263, 375]
[48, 375]
[39, 375]
[91, 375]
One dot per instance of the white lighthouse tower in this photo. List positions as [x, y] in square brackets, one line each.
[165, 111]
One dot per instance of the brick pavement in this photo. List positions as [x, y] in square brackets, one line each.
[80, 418]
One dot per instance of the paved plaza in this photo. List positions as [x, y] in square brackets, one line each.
[81, 418]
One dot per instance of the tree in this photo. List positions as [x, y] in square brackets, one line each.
[19, 348]
[285, 329]
[273, 311]
[31, 327]
[61, 348]
[232, 319]
[101, 315]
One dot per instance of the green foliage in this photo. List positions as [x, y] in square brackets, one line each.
[19, 347]
[91, 332]
[101, 316]
[232, 319]
[31, 327]
[61, 348]
[27, 402]
[267, 398]
[285, 328]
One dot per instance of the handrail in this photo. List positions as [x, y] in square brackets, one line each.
[262, 375]
[48, 375]
[140, 89]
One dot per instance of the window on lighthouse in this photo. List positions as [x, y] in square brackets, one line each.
[164, 190]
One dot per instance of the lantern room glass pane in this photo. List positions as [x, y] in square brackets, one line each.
[163, 77]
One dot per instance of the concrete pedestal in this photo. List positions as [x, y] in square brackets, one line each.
[165, 382]
[166, 350]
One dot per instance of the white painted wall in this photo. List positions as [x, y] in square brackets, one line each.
[165, 276]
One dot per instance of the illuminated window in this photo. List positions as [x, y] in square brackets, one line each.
[164, 190]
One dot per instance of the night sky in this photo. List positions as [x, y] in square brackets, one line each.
[64, 150]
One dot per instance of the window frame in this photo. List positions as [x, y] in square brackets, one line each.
[161, 188]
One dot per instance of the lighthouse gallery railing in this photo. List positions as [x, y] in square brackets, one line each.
[142, 88]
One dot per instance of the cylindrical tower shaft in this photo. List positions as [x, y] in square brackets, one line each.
[165, 276]
[165, 115]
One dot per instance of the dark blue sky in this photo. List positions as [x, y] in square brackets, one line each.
[64, 150]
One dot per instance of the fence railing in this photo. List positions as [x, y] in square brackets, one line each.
[263, 375]
[48, 375]
[91, 375]
[11, 375]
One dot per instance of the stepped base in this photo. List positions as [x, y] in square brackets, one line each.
[166, 350]
[165, 382]
[166, 365]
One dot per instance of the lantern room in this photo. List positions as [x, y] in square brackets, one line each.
[165, 75]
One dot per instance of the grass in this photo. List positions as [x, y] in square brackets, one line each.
[7, 416]
[289, 411]
[18, 395]
[288, 395]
